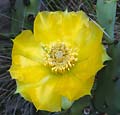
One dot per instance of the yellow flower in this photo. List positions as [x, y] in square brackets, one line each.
[58, 63]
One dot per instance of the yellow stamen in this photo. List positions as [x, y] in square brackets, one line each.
[60, 58]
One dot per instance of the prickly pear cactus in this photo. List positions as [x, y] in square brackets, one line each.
[105, 98]
[23, 13]
[107, 94]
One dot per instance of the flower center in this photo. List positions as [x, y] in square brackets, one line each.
[59, 54]
[60, 58]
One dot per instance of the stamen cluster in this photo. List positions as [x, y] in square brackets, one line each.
[60, 58]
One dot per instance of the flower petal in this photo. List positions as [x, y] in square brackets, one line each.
[91, 65]
[90, 42]
[26, 70]
[71, 87]
[42, 94]
[59, 26]
[24, 44]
